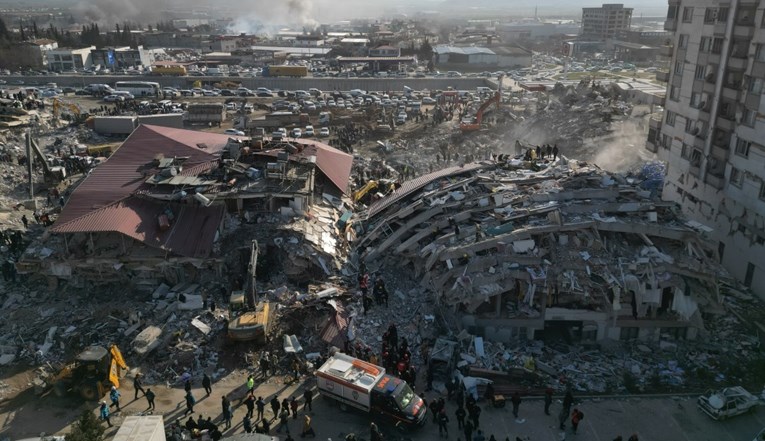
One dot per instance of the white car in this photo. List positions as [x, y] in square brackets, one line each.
[428, 100]
[113, 98]
[324, 132]
[725, 403]
[234, 132]
[296, 133]
[308, 131]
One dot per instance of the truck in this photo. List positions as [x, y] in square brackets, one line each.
[277, 119]
[115, 125]
[285, 71]
[365, 386]
[727, 402]
[141, 428]
[205, 113]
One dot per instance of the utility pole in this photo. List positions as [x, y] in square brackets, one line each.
[30, 157]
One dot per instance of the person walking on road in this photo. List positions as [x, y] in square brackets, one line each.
[468, 429]
[576, 417]
[307, 428]
[114, 395]
[479, 436]
[249, 402]
[548, 400]
[261, 406]
[308, 397]
[284, 418]
[247, 424]
[207, 384]
[150, 398]
[374, 432]
[568, 401]
[294, 407]
[190, 401]
[443, 419]
[475, 415]
[250, 384]
[275, 407]
[105, 413]
[460, 414]
[516, 400]
[264, 367]
[226, 411]
[137, 385]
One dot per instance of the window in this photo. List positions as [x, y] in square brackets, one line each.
[736, 178]
[685, 153]
[699, 75]
[689, 125]
[682, 42]
[674, 93]
[706, 44]
[755, 85]
[696, 158]
[671, 118]
[630, 333]
[759, 52]
[687, 14]
[666, 141]
[722, 15]
[717, 45]
[679, 67]
[749, 117]
[696, 99]
[710, 15]
[742, 147]
[762, 191]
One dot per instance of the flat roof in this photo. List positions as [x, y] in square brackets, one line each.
[352, 370]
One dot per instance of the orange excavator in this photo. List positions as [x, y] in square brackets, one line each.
[474, 123]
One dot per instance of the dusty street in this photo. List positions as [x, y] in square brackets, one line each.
[673, 418]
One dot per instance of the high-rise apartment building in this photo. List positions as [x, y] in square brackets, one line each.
[608, 21]
[712, 132]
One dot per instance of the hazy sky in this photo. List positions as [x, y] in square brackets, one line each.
[296, 12]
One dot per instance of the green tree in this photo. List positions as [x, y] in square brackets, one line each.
[87, 428]
[35, 31]
[5, 34]
[21, 29]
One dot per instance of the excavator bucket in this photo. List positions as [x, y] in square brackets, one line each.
[115, 365]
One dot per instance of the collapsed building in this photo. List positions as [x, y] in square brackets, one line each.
[170, 205]
[518, 251]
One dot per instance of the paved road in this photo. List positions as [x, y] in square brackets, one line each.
[654, 419]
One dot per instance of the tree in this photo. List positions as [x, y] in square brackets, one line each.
[21, 29]
[87, 428]
[34, 29]
[5, 34]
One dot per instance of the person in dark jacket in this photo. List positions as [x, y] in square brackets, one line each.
[516, 400]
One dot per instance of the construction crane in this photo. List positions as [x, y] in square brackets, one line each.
[73, 109]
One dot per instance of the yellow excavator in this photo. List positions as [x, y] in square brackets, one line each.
[369, 191]
[74, 110]
[92, 373]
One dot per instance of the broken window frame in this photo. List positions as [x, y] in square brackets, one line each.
[742, 147]
[736, 177]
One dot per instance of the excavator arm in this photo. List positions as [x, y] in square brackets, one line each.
[475, 125]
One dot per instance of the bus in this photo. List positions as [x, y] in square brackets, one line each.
[169, 70]
[138, 88]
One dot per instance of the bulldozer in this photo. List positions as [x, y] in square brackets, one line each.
[92, 373]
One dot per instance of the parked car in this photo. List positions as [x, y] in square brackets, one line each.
[428, 100]
[234, 132]
[308, 131]
[296, 133]
[113, 98]
[324, 132]
[728, 402]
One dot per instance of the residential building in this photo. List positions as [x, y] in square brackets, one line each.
[385, 50]
[446, 54]
[66, 59]
[39, 49]
[712, 132]
[607, 21]
[121, 57]
[634, 52]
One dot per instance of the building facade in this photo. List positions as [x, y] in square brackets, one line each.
[712, 131]
[121, 57]
[67, 59]
[607, 21]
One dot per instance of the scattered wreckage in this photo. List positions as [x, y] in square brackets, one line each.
[728, 402]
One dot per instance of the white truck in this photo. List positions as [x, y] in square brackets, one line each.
[365, 386]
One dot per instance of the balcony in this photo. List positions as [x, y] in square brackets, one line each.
[719, 152]
[715, 181]
[743, 31]
[651, 146]
[719, 28]
[670, 24]
[662, 76]
[726, 124]
[738, 61]
[666, 51]
[694, 170]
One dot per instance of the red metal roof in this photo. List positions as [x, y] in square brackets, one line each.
[191, 233]
[104, 201]
[333, 163]
[123, 173]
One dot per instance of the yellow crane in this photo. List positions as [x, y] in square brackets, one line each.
[74, 109]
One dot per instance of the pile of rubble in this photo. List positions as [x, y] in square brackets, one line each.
[519, 250]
